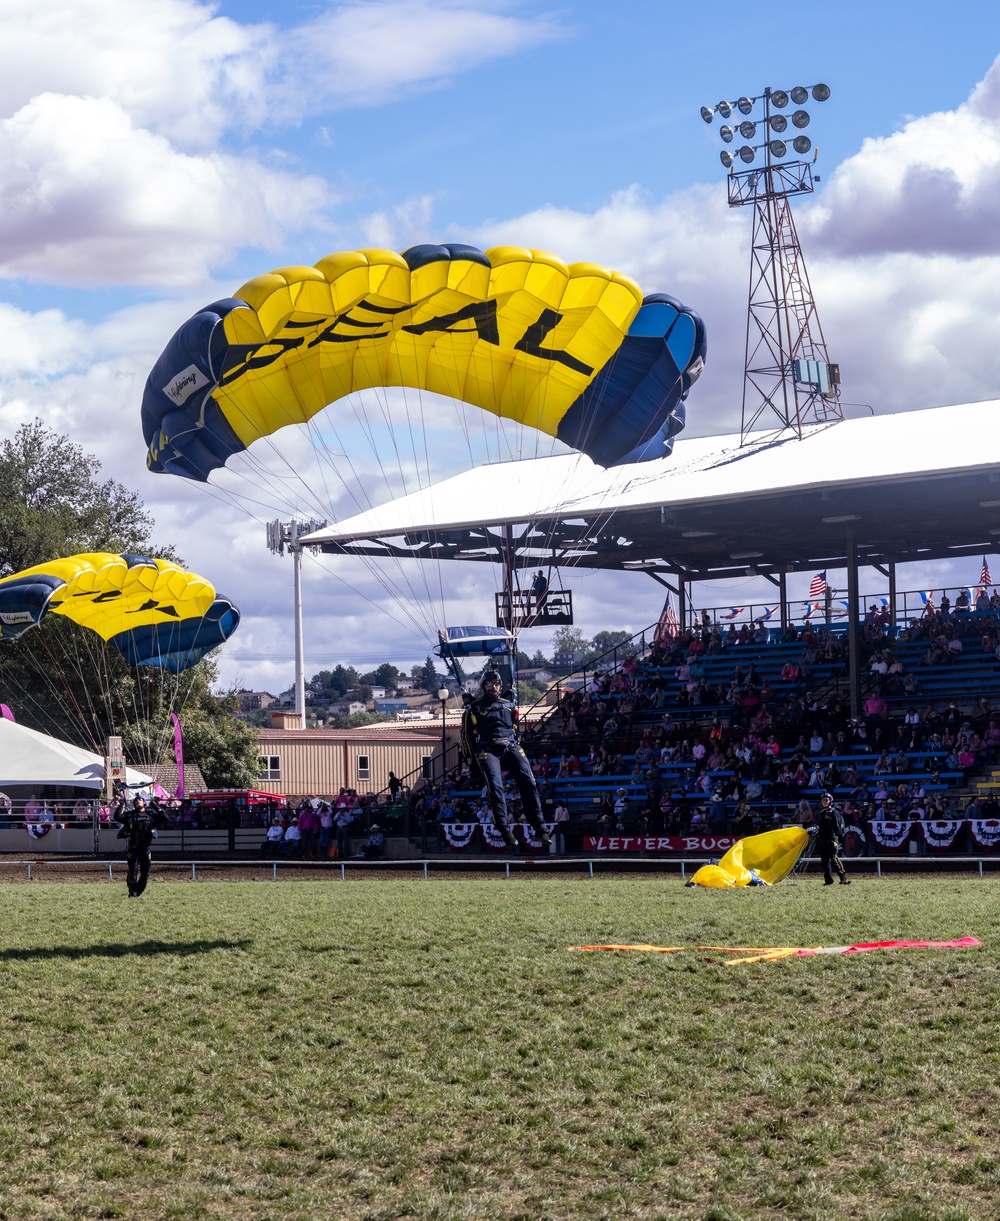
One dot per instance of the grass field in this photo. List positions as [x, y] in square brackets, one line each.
[410, 1049]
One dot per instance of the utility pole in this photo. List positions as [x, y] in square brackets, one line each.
[282, 537]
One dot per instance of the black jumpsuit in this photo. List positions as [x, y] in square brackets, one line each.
[829, 837]
[137, 831]
[488, 737]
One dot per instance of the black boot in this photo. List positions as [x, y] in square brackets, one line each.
[506, 835]
[542, 834]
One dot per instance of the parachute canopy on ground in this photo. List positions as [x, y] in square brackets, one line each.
[152, 611]
[757, 860]
[574, 351]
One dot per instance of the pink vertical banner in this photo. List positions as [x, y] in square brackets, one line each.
[178, 755]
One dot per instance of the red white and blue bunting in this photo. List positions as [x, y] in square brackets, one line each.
[891, 836]
[459, 835]
[985, 831]
[940, 834]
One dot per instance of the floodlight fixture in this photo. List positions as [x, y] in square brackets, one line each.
[724, 108]
[820, 92]
[707, 113]
[800, 118]
[744, 105]
[778, 148]
[778, 122]
[747, 154]
[748, 130]
[799, 95]
[802, 144]
[779, 98]
[727, 133]
[726, 159]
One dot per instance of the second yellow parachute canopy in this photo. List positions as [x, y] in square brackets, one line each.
[757, 860]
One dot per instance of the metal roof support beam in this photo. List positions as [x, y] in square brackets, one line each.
[783, 595]
[660, 581]
[853, 635]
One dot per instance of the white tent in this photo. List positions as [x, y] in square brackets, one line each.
[28, 757]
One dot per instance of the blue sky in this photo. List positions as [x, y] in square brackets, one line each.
[156, 153]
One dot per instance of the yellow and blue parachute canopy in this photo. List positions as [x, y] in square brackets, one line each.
[575, 351]
[757, 860]
[153, 612]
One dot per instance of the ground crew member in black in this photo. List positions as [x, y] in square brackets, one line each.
[489, 741]
[136, 827]
[829, 837]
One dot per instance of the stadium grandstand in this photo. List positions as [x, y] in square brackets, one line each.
[705, 727]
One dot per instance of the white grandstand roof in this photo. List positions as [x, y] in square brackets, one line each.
[942, 441]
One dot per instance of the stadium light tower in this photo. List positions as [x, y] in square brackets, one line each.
[786, 369]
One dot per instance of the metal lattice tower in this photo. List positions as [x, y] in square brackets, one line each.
[787, 371]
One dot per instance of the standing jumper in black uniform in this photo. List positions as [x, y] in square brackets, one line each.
[137, 827]
[829, 837]
[489, 741]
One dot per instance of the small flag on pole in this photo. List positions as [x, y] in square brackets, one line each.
[984, 577]
[818, 587]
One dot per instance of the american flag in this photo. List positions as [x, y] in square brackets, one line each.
[984, 576]
[818, 587]
[668, 626]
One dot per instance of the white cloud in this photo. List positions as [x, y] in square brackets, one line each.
[112, 113]
[88, 198]
[366, 53]
[182, 71]
[911, 324]
[931, 188]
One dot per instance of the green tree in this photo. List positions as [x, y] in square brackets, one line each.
[223, 746]
[569, 640]
[385, 675]
[540, 660]
[63, 679]
[528, 693]
[329, 685]
[426, 675]
[604, 642]
[54, 506]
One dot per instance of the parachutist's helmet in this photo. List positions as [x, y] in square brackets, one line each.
[490, 676]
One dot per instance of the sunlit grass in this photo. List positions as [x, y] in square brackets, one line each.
[430, 1049]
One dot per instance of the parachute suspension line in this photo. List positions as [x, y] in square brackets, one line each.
[83, 720]
[267, 480]
[28, 695]
[226, 496]
[70, 645]
[319, 506]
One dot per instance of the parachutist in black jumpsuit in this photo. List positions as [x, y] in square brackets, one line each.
[829, 837]
[136, 827]
[489, 740]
